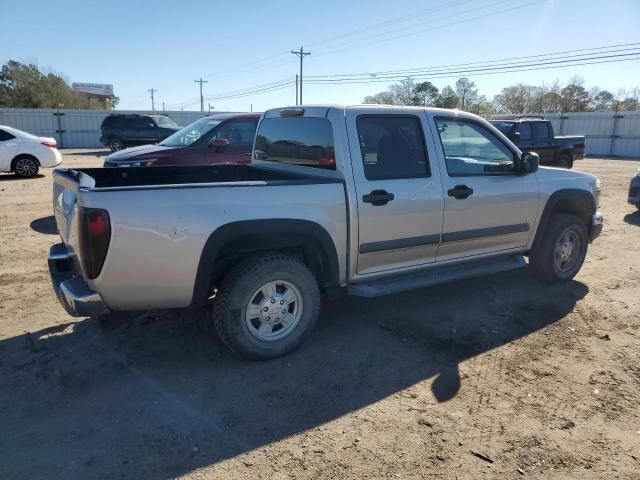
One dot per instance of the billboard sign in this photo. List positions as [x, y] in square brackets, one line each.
[94, 89]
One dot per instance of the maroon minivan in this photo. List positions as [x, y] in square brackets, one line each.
[221, 138]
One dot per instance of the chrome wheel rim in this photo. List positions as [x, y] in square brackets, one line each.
[26, 167]
[273, 311]
[567, 250]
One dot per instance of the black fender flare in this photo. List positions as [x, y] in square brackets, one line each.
[288, 228]
[572, 194]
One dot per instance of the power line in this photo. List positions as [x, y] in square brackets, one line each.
[407, 34]
[499, 71]
[256, 92]
[445, 70]
[201, 81]
[333, 38]
[300, 54]
[409, 71]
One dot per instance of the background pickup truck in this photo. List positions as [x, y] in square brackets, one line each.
[534, 134]
[372, 199]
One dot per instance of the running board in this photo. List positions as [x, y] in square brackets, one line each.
[436, 276]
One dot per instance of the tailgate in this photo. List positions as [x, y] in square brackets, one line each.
[66, 184]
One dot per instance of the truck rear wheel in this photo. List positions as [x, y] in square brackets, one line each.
[559, 255]
[266, 306]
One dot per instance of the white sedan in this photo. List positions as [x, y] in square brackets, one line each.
[24, 154]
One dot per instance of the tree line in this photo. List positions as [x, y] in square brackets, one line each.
[26, 86]
[520, 98]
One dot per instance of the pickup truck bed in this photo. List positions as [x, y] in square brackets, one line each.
[105, 178]
[182, 208]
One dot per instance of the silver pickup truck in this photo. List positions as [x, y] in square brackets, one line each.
[374, 199]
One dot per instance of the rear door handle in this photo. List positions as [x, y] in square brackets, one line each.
[378, 197]
[460, 192]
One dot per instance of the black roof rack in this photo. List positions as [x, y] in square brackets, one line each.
[509, 116]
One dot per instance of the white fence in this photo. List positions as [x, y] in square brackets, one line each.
[74, 128]
[607, 133]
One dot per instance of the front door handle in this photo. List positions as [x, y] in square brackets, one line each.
[378, 197]
[460, 192]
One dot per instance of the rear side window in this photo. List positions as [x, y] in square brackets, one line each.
[392, 147]
[5, 136]
[296, 141]
[111, 122]
[540, 130]
[525, 131]
[140, 122]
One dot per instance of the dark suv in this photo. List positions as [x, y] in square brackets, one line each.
[125, 130]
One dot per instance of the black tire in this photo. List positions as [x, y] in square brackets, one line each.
[564, 160]
[546, 257]
[25, 166]
[240, 288]
[116, 144]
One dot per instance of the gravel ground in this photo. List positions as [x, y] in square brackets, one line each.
[500, 377]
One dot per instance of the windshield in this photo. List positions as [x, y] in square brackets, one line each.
[504, 127]
[165, 122]
[190, 133]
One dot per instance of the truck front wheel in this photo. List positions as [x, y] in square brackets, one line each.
[266, 306]
[560, 253]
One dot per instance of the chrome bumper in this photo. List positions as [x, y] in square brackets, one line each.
[71, 289]
[597, 219]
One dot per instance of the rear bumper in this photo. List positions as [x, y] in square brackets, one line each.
[597, 220]
[71, 289]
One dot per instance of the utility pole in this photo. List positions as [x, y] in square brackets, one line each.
[153, 105]
[297, 80]
[300, 54]
[201, 81]
[210, 108]
[163, 110]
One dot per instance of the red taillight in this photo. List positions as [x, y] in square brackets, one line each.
[96, 223]
[93, 238]
[49, 144]
[327, 162]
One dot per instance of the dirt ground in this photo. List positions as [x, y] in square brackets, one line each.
[499, 377]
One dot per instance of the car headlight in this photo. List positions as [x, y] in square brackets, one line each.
[138, 163]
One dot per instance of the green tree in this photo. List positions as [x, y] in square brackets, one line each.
[425, 93]
[575, 97]
[467, 92]
[26, 86]
[602, 100]
[515, 99]
[447, 98]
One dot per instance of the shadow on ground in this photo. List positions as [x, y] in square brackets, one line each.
[12, 176]
[46, 225]
[156, 396]
[92, 153]
[633, 218]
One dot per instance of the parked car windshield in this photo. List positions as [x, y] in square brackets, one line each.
[190, 133]
[165, 122]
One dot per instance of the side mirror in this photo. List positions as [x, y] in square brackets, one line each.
[219, 144]
[529, 162]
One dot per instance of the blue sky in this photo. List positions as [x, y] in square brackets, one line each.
[137, 45]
